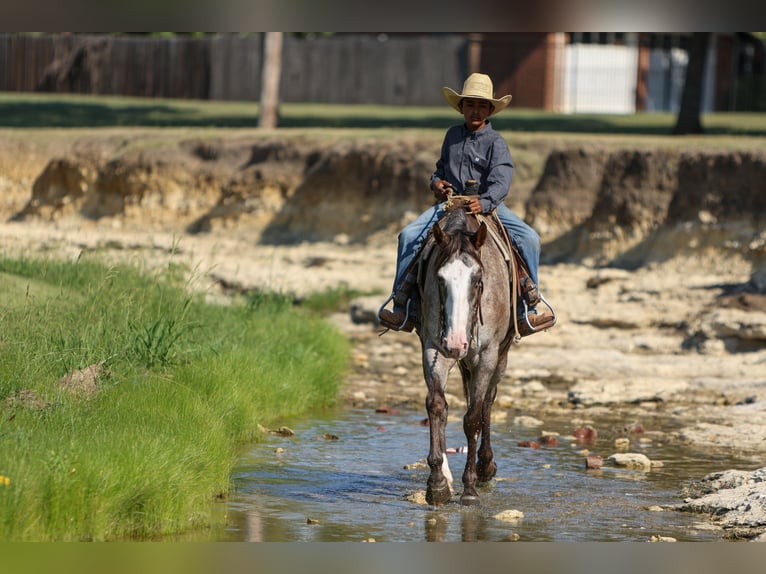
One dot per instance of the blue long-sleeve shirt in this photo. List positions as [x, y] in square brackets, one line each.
[482, 155]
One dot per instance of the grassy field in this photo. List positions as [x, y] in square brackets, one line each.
[183, 386]
[60, 111]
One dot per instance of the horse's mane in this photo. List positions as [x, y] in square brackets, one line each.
[459, 229]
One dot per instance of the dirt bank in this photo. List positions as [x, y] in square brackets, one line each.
[655, 259]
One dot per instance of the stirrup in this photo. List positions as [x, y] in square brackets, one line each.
[406, 313]
[526, 312]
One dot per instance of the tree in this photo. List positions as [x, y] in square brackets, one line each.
[270, 73]
[688, 121]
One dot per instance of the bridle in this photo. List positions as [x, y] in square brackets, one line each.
[476, 317]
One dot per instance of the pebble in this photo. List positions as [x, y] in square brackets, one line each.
[656, 538]
[528, 444]
[587, 433]
[504, 402]
[622, 443]
[593, 461]
[417, 497]
[548, 440]
[527, 421]
[509, 516]
[632, 460]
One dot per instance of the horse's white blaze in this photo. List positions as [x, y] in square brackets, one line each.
[457, 306]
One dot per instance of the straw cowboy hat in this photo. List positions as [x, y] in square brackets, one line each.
[476, 86]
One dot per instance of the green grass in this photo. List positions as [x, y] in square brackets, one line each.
[185, 386]
[26, 110]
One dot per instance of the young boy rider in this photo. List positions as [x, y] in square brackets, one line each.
[472, 150]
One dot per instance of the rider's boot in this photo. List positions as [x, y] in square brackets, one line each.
[533, 320]
[403, 315]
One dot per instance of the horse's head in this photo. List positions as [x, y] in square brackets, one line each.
[459, 275]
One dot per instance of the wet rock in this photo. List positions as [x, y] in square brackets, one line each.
[512, 516]
[656, 538]
[418, 497]
[527, 421]
[621, 443]
[548, 440]
[631, 460]
[504, 402]
[528, 444]
[735, 500]
[281, 431]
[385, 409]
[593, 462]
[585, 434]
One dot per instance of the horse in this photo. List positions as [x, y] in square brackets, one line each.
[466, 319]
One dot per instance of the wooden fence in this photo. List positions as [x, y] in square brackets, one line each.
[335, 69]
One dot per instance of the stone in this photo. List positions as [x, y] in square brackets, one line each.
[513, 516]
[631, 460]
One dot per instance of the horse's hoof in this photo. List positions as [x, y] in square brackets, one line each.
[436, 496]
[470, 500]
[485, 475]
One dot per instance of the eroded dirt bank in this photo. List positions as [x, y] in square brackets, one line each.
[655, 259]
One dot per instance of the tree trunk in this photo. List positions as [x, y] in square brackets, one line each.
[688, 121]
[272, 66]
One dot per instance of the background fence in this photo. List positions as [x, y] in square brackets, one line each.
[343, 69]
[540, 70]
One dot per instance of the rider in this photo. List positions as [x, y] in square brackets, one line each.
[471, 150]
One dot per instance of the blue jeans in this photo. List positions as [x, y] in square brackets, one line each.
[526, 239]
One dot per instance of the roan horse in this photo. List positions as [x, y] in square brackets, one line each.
[466, 312]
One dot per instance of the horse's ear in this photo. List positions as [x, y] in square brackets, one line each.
[439, 235]
[481, 236]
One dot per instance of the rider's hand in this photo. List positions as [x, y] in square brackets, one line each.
[474, 205]
[441, 188]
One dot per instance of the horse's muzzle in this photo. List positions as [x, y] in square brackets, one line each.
[455, 345]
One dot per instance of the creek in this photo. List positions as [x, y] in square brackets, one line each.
[348, 475]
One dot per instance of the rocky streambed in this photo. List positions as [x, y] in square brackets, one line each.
[653, 259]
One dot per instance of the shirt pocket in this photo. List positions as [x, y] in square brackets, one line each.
[480, 162]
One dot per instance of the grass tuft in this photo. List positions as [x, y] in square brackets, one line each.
[182, 386]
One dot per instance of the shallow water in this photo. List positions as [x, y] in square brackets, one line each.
[355, 487]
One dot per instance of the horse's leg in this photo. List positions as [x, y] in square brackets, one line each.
[435, 369]
[486, 467]
[472, 425]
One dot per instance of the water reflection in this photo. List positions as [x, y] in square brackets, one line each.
[357, 488]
